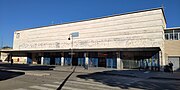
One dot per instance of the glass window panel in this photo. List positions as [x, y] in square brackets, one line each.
[81, 61]
[176, 36]
[57, 61]
[93, 62]
[67, 61]
[166, 36]
[171, 36]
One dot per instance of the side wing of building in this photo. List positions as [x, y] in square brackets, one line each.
[172, 46]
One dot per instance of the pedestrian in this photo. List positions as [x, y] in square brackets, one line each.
[11, 61]
[171, 66]
[86, 66]
[8, 60]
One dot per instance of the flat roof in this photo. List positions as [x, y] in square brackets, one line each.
[100, 18]
[174, 28]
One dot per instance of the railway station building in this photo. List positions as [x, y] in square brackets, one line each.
[130, 40]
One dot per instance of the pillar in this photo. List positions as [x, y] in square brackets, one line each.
[119, 61]
[163, 58]
[62, 61]
[42, 60]
[86, 59]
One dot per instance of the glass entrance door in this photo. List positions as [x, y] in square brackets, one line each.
[102, 62]
[81, 61]
[111, 63]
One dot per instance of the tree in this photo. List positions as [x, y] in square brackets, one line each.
[6, 47]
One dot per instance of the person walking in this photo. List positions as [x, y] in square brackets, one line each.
[11, 61]
[171, 66]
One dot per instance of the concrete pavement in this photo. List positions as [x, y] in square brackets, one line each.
[83, 79]
[125, 72]
[38, 70]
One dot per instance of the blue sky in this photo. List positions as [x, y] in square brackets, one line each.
[22, 14]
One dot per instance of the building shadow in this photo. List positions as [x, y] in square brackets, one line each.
[8, 71]
[112, 80]
[7, 66]
[4, 75]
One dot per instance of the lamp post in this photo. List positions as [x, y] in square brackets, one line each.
[71, 35]
[71, 38]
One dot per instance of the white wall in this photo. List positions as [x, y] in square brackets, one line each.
[143, 29]
[22, 60]
[4, 56]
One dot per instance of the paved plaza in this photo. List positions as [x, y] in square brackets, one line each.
[78, 78]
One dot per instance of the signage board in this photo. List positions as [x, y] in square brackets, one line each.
[75, 34]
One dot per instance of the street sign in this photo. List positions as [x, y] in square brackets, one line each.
[75, 34]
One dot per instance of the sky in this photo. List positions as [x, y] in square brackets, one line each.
[23, 14]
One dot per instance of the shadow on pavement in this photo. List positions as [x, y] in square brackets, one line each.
[62, 84]
[8, 66]
[8, 71]
[4, 75]
[124, 83]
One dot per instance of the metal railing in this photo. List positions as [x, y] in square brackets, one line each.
[172, 36]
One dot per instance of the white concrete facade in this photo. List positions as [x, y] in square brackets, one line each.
[143, 29]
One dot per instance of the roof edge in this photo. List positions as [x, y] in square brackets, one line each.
[99, 18]
[174, 28]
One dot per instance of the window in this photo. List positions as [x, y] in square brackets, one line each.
[176, 36]
[166, 36]
[171, 36]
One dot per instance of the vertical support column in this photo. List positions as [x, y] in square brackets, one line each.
[119, 61]
[86, 60]
[42, 60]
[9, 57]
[173, 36]
[62, 61]
[162, 58]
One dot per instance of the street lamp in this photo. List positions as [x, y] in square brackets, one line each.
[71, 38]
[71, 35]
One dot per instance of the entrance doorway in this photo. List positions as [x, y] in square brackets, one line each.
[75, 61]
[38, 60]
[102, 62]
[52, 61]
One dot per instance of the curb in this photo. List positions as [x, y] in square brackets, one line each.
[164, 78]
[26, 72]
[124, 75]
[12, 72]
[102, 73]
[36, 74]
